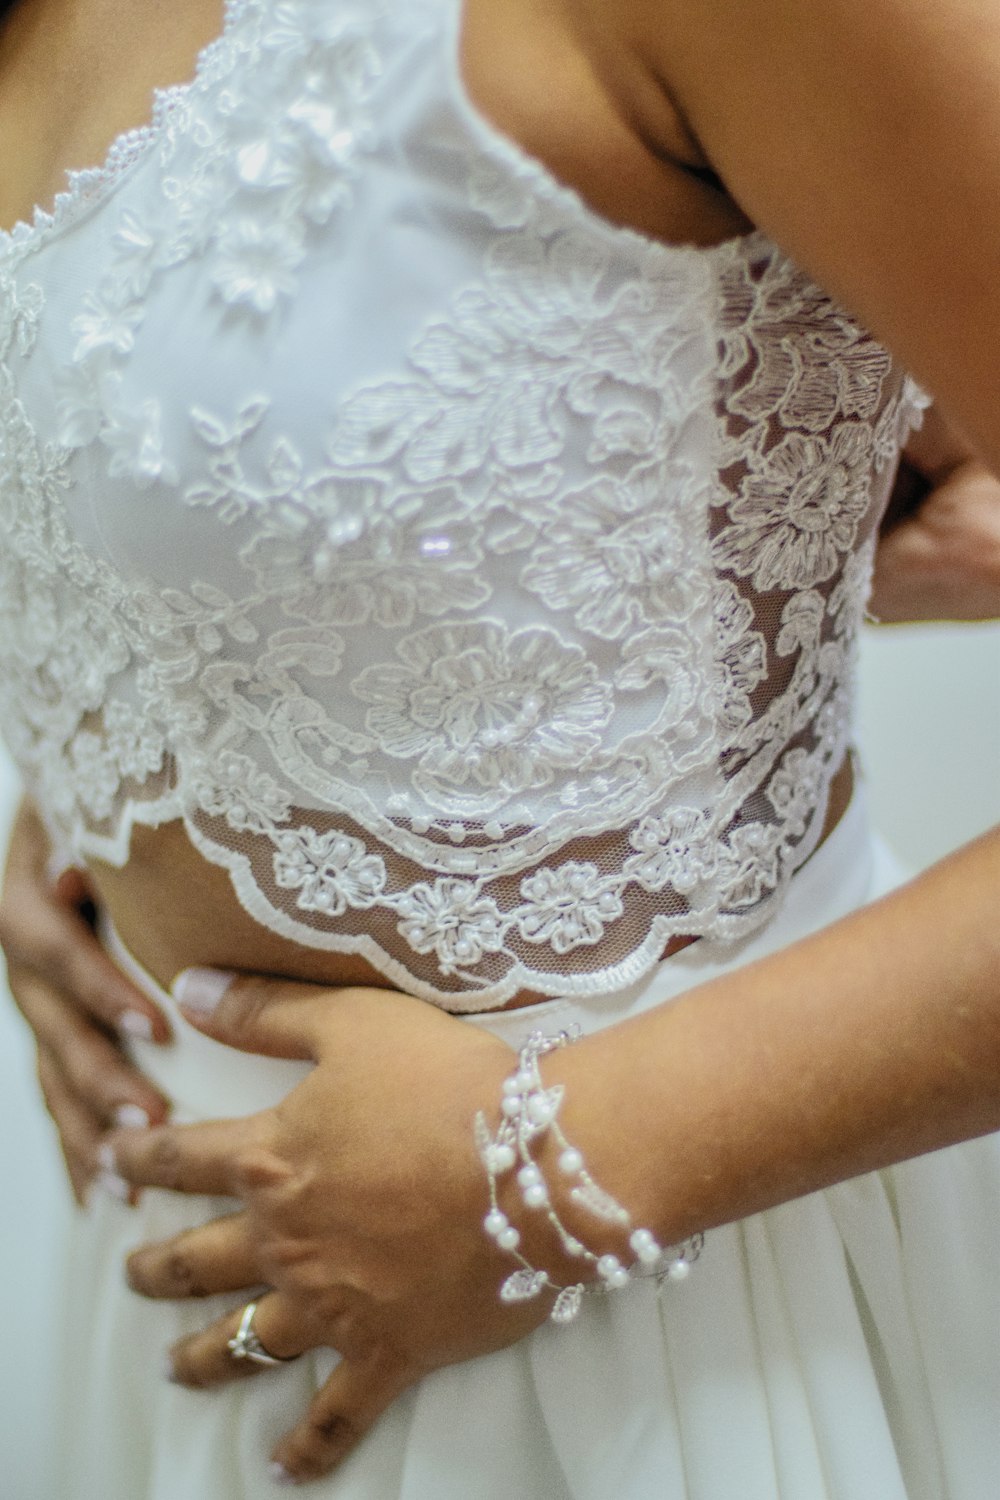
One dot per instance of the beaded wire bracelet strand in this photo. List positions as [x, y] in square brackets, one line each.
[528, 1111]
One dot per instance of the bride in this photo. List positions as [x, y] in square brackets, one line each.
[443, 452]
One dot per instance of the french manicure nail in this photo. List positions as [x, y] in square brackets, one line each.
[280, 1475]
[135, 1024]
[106, 1158]
[200, 990]
[131, 1117]
[113, 1185]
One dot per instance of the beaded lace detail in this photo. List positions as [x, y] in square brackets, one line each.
[478, 582]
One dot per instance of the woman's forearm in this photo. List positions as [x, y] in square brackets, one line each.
[876, 1040]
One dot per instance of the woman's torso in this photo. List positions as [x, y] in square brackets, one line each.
[580, 108]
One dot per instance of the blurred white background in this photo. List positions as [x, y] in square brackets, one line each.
[930, 736]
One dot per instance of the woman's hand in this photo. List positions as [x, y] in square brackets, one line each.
[363, 1199]
[939, 554]
[76, 1002]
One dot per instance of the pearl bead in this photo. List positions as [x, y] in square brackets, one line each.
[512, 1085]
[511, 1105]
[679, 1271]
[524, 1080]
[536, 1196]
[651, 1254]
[540, 1110]
[571, 1161]
[618, 1279]
[495, 1222]
[608, 1265]
[503, 1158]
[508, 1239]
[529, 1175]
[573, 1247]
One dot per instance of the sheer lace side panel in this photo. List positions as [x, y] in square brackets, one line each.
[497, 664]
[813, 415]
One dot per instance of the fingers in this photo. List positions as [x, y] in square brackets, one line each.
[44, 932]
[54, 943]
[206, 1359]
[79, 1131]
[227, 1158]
[92, 1066]
[344, 1410]
[271, 1017]
[217, 1257]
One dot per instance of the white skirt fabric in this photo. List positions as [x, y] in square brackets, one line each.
[845, 1346]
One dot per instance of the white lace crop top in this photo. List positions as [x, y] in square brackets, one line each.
[477, 581]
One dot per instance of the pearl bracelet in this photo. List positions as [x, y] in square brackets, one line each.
[529, 1110]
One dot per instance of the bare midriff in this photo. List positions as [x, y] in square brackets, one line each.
[173, 909]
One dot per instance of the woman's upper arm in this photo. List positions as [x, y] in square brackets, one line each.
[864, 136]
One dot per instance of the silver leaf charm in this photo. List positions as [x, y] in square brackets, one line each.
[567, 1304]
[484, 1141]
[599, 1203]
[522, 1286]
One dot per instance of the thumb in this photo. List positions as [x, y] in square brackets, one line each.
[271, 1017]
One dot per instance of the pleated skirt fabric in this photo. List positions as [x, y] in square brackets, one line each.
[845, 1346]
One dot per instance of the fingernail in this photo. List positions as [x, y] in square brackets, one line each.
[113, 1185]
[137, 1025]
[280, 1475]
[200, 990]
[131, 1117]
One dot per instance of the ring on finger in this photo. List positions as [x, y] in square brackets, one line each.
[245, 1343]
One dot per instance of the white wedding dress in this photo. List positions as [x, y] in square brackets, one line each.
[479, 583]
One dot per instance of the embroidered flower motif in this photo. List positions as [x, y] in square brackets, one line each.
[84, 392]
[452, 920]
[136, 748]
[796, 789]
[853, 588]
[616, 559]
[106, 326]
[810, 364]
[233, 787]
[801, 623]
[372, 555]
[741, 654]
[499, 384]
[20, 311]
[255, 263]
[331, 871]
[567, 906]
[798, 514]
[136, 443]
[678, 850]
[95, 775]
[484, 708]
[749, 864]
